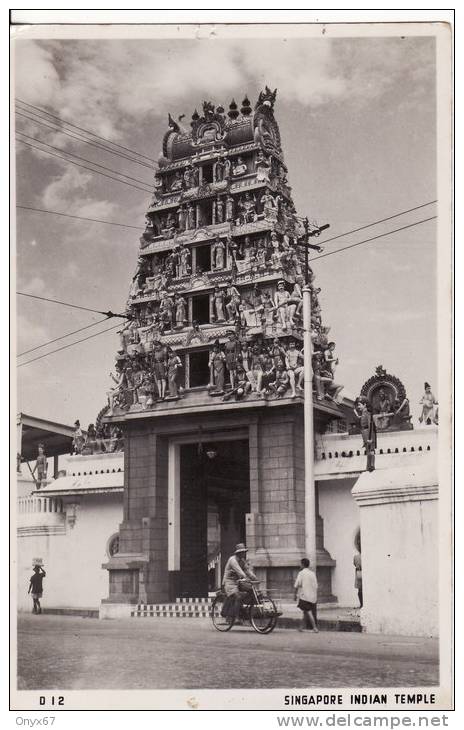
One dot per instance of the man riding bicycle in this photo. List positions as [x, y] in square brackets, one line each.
[237, 569]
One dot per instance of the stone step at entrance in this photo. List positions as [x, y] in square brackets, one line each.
[182, 608]
[330, 617]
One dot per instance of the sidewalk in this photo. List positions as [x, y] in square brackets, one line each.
[329, 617]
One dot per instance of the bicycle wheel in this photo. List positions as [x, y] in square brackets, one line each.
[263, 615]
[220, 622]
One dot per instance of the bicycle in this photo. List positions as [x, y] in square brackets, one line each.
[257, 608]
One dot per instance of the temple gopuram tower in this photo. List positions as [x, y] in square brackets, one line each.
[209, 385]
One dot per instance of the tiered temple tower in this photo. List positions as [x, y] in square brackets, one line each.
[210, 368]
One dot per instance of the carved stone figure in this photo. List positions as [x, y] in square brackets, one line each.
[247, 209]
[281, 381]
[229, 208]
[159, 368]
[217, 368]
[281, 302]
[174, 363]
[233, 302]
[332, 362]
[231, 349]
[41, 466]
[184, 267]
[219, 210]
[218, 170]
[181, 218]
[269, 204]
[166, 310]
[239, 168]
[218, 305]
[78, 438]
[428, 402]
[295, 307]
[294, 362]
[190, 216]
[218, 251]
[181, 310]
[262, 166]
[369, 434]
[242, 386]
[177, 182]
[276, 256]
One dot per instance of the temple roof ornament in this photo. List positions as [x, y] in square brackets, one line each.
[386, 396]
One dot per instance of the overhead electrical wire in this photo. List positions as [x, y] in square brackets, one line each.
[85, 167]
[84, 159]
[109, 314]
[62, 337]
[382, 220]
[79, 217]
[374, 238]
[59, 130]
[67, 304]
[82, 129]
[71, 344]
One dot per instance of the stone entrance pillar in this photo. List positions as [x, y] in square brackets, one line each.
[399, 548]
[139, 572]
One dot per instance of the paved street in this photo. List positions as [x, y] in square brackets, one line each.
[81, 653]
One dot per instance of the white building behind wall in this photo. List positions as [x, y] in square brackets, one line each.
[70, 523]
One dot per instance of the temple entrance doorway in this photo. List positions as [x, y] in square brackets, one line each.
[214, 498]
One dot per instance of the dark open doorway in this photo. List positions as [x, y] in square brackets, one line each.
[214, 499]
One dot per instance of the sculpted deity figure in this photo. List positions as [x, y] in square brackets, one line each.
[190, 216]
[188, 177]
[428, 403]
[369, 433]
[295, 308]
[218, 169]
[229, 208]
[256, 368]
[78, 438]
[268, 309]
[174, 364]
[332, 362]
[242, 386]
[181, 218]
[184, 268]
[239, 168]
[247, 209]
[234, 300]
[231, 349]
[166, 310]
[262, 167]
[281, 381]
[217, 369]
[294, 361]
[276, 256]
[177, 182]
[120, 381]
[281, 302]
[218, 254]
[219, 210]
[160, 368]
[247, 249]
[218, 305]
[41, 466]
[181, 310]
[227, 168]
[268, 202]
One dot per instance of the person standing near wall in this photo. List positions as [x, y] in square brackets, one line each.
[358, 569]
[306, 594]
[35, 587]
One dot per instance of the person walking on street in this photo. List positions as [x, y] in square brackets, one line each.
[35, 587]
[306, 594]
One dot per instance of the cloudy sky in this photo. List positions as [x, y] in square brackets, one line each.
[357, 119]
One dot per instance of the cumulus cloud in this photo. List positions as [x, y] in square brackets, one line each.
[106, 84]
[67, 193]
